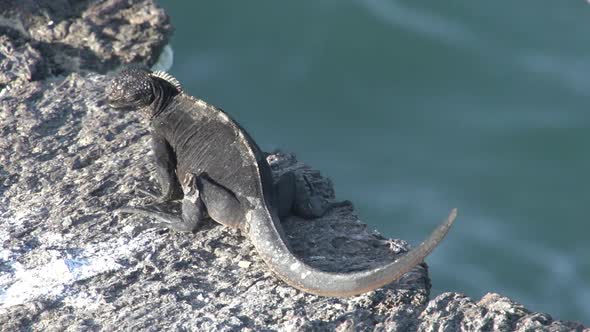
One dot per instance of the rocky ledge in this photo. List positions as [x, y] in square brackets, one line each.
[67, 161]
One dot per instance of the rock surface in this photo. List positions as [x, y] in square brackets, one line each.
[67, 160]
[77, 36]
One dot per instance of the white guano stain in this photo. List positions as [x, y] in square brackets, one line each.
[63, 267]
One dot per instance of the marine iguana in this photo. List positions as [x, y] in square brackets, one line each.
[206, 158]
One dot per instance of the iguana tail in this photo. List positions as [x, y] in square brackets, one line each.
[269, 243]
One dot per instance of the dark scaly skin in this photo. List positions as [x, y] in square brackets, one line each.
[222, 174]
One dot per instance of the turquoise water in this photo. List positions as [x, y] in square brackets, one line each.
[415, 108]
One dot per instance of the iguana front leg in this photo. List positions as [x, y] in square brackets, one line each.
[165, 162]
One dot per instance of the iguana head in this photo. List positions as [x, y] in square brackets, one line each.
[137, 88]
[132, 88]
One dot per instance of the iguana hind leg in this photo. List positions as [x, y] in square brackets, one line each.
[222, 204]
[284, 195]
[193, 210]
[287, 202]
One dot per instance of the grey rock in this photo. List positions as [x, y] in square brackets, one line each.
[19, 64]
[69, 263]
[81, 35]
[493, 312]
